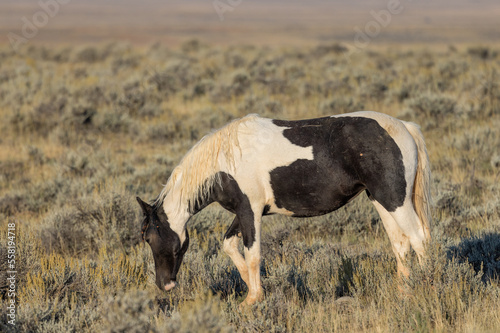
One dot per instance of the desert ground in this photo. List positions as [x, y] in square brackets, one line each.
[104, 101]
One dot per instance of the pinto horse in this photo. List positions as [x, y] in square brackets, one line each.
[255, 166]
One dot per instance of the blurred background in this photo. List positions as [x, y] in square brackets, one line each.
[270, 22]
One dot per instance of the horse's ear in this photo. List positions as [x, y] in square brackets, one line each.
[147, 209]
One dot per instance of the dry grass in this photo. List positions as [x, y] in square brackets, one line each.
[85, 130]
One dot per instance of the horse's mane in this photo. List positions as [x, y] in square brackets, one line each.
[198, 169]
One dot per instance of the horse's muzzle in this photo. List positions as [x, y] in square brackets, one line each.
[169, 286]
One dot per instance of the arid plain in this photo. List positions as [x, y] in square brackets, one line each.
[101, 103]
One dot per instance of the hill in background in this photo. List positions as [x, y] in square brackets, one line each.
[255, 22]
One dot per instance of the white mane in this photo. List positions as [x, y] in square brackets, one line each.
[197, 171]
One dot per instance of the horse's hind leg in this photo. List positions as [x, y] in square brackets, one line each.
[231, 240]
[399, 241]
[412, 226]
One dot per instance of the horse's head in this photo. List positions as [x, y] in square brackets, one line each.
[165, 244]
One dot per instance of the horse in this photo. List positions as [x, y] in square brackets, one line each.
[256, 166]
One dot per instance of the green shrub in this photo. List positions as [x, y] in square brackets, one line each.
[87, 225]
[129, 311]
[432, 106]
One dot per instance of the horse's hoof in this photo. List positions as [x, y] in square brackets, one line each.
[243, 306]
[247, 303]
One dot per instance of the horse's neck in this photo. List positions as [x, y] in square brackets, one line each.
[201, 202]
[177, 212]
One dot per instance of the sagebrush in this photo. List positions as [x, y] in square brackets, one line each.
[86, 129]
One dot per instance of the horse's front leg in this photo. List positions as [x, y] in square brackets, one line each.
[249, 267]
[252, 258]
[251, 241]
[231, 240]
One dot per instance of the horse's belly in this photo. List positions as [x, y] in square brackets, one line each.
[305, 189]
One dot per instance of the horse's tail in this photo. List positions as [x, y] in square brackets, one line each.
[421, 195]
